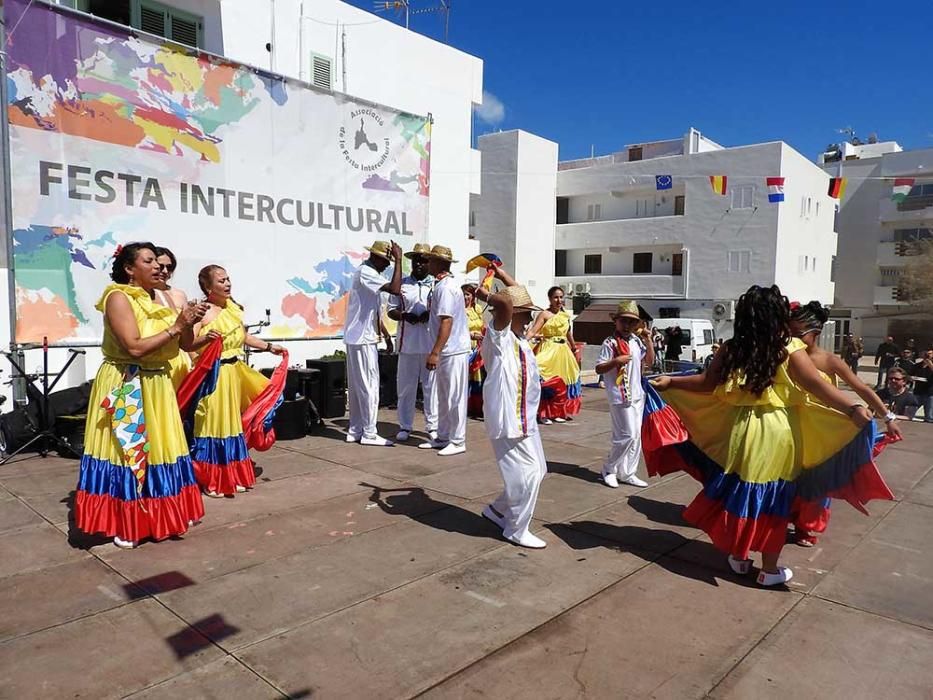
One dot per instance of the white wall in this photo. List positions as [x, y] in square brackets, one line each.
[535, 214]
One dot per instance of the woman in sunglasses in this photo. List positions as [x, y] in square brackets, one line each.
[174, 299]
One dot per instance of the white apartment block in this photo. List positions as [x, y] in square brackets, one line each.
[339, 47]
[875, 236]
[683, 251]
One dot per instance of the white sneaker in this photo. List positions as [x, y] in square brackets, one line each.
[611, 480]
[560, 420]
[635, 481]
[490, 514]
[377, 442]
[432, 444]
[432, 435]
[124, 544]
[213, 494]
[353, 438]
[527, 540]
[546, 421]
[240, 489]
[452, 449]
[401, 436]
[740, 566]
[782, 576]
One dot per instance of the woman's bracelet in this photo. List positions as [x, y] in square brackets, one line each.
[268, 347]
[171, 334]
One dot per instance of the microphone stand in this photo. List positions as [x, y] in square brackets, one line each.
[45, 430]
[261, 324]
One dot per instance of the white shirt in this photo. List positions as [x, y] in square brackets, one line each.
[413, 338]
[512, 389]
[362, 324]
[609, 350]
[447, 300]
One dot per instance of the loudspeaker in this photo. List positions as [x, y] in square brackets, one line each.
[70, 402]
[388, 387]
[331, 397]
[292, 419]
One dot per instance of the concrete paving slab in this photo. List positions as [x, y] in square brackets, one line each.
[280, 463]
[823, 650]
[108, 655]
[661, 633]
[224, 678]
[58, 594]
[922, 493]
[473, 481]
[14, 514]
[564, 453]
[383, 647]
[904, 469]
[565, 495]
[34, 547]
[282, 594]
[57, 480]
[891, 572]
[201, 556]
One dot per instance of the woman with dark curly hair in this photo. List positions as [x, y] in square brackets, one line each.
[806, 322]
[757, 441]
[137, 480]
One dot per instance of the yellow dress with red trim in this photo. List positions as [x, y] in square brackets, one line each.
[219, 451]
[477, 373]
[109, 499]
[555, 359]
[179, 366]
[755, 455]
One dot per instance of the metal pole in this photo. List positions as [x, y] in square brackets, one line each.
[8, 193]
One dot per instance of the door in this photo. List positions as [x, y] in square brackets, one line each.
[679, 202]
[842, 330]
[677, 265]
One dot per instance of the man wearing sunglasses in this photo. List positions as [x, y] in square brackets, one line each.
[897, 397]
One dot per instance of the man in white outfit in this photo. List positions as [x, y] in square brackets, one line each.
[449, 355]
[622, 358]
[413, 342]
[361, 334]
[511, 394]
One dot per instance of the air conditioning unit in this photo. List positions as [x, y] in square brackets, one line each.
[568, 288]
[581, 288]
[723, 310]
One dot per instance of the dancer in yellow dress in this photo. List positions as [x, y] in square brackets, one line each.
[175, 299]
[221, 458]
[141, 486]
[477, 372]
[555, 353]
[757, 442]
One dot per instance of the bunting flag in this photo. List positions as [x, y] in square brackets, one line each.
[719, 183]
[775, 189]
[488, 260]
[128, 422]
[901, 189]
[663, 182]
[837, 187]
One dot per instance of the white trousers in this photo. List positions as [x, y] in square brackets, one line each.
[451, 378]
[626, 439]
[411, 370]
[523, 467]
[363, 389]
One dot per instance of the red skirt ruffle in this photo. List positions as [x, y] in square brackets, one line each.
[224, 479]
[163, 517]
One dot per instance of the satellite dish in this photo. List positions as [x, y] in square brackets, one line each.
[723, 311]
[873, 137]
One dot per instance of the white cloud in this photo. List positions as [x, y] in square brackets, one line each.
[492, 111]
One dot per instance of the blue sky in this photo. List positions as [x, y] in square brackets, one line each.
[608, 73]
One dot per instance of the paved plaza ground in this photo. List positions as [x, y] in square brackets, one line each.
[354, 572]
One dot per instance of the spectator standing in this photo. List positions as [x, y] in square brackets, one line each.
[674, 343]
[885, 356]
[923, 377]
[896, 396]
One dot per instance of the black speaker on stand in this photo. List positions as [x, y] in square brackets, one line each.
[331, 399]
[388, 387]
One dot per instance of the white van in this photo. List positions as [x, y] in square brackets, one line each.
[698, 336]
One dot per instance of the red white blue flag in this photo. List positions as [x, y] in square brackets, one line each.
[775, 189]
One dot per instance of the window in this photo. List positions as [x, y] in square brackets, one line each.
[911, 235]
[817, 210]
[832, 270]
[321, 74]
[563, 210]
[149, 16]
[679, 202]
[641, 208]
[677, 265]
[472, 218]
[707, 336]
[593, 264]
[740, 260]
[560, 263]
[634, 153]
[593, 212]
[921, 190]
[743, 197]
[641, 263]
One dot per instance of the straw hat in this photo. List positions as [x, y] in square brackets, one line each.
[441, 252]
[520, 297]
[419, 249]
[380, 248]
[627, 309]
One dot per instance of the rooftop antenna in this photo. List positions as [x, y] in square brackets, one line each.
[404, 6]
[850, 134]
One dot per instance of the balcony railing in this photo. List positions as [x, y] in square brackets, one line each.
[651, 230]
[918, 209]
[623, 286]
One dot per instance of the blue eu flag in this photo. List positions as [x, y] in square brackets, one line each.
[663, 182]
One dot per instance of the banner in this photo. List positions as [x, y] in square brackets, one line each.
[115, 138]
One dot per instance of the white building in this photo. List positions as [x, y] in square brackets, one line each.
[875, 233]
[337, 47]
[680, 251]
